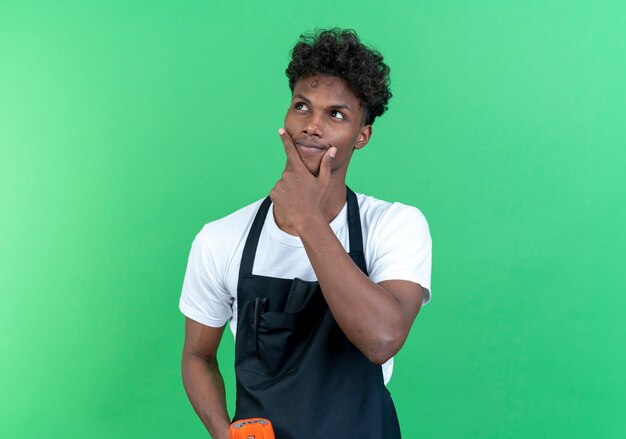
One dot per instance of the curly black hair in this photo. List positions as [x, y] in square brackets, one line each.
[339, 52]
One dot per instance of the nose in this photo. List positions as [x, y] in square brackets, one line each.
[314, 126]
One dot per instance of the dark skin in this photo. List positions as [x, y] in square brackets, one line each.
[323, 127]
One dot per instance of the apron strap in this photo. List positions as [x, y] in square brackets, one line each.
[356, 235]
[249, 250]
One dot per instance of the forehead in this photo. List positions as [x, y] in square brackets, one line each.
[330, 90]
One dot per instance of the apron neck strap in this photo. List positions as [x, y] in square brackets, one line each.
[356, 234]
[249, 250]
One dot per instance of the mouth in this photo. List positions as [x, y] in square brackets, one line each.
[309, 147]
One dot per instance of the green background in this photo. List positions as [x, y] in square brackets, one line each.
[126, 126]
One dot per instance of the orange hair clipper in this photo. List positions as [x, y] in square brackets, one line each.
[252, 428]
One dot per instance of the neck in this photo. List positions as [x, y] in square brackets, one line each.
[337, 195]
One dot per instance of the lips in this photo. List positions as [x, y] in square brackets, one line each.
[310, 146]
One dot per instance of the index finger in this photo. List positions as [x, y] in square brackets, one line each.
[293, 158]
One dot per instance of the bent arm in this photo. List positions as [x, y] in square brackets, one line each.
[202, 378]
[376, 318]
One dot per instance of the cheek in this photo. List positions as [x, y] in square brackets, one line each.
[345, 144]
[289, 124]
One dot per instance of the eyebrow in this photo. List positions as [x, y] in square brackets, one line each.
[334, 107]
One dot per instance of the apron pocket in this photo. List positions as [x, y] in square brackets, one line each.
[281, 339]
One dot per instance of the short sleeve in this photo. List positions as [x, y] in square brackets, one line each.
[403, 248]
[204, 298]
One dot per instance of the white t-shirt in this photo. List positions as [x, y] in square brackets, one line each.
[396, 244]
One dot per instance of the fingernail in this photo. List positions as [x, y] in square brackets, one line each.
[332, 152]
[281, 131]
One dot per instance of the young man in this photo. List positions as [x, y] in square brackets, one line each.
[321, 285]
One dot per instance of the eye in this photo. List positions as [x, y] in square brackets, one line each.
[337, 114]
[300, 106]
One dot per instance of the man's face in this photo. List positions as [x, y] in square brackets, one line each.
[324, 113]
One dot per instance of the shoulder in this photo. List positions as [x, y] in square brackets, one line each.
[385, 215]
[237, 222]
[398, 243]
[224, 234]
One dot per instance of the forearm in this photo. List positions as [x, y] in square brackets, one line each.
[368, 314]
[205, 388]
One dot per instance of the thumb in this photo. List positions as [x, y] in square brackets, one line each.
[325, 165]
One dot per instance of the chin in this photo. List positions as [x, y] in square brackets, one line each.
[313, 168]
[315, 171]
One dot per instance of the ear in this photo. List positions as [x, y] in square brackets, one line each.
[364, 136]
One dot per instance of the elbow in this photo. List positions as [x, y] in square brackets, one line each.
[383, 349]
[379, 359]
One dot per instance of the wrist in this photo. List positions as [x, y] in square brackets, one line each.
[311, 225]
[222, 432]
